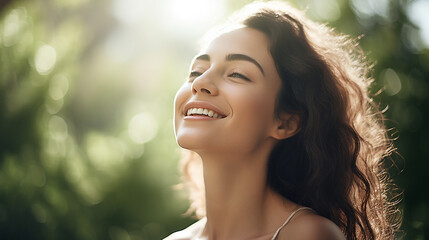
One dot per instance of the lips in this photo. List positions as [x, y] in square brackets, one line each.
[204, 109]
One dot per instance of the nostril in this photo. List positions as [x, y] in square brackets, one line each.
[205, 90]
[201, 90]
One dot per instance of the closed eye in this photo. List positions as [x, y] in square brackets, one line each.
[238, 75]
[194, 74]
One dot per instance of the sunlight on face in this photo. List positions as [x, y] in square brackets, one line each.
[237, 80]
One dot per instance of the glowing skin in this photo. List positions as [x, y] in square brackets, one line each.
[237, 77]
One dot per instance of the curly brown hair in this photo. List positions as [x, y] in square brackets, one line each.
[334, 164]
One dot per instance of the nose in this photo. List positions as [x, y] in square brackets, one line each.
[204, 84]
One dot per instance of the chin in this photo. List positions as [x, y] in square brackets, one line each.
[192, 143]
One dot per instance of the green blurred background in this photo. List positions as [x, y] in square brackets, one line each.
[87, 149]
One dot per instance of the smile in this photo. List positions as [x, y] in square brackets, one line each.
[203, 111]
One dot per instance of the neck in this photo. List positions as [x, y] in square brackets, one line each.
[239, 204]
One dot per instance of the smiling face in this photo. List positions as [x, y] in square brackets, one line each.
[228, 102]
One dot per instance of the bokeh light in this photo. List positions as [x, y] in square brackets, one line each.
[392, 83]
[417, 11]
[142, 128]
[45, 59]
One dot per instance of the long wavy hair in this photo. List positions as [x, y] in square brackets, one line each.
[334, 164]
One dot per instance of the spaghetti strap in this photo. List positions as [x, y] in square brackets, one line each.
[288, 220]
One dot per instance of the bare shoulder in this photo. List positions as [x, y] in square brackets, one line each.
[189, 232]
[310, 226]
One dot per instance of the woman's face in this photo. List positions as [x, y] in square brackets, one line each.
[227, 104]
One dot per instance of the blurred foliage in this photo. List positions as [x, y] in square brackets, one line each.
[87, 149]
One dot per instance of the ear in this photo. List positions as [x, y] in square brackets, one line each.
[286, 126]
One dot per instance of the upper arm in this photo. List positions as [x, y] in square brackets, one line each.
[311, 227]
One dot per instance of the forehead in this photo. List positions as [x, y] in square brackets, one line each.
[242, 40]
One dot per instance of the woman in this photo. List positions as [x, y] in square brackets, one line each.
[276, 116]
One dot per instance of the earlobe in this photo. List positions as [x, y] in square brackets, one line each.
[287, 125]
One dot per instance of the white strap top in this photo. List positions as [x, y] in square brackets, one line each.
[288, 220]
[194, 231]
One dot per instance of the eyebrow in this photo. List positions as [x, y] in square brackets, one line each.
[234, 57]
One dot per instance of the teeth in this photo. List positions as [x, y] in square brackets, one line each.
[202, 111]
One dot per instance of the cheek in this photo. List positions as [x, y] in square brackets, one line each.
[254, 103]
[253, 112]
[180, 99]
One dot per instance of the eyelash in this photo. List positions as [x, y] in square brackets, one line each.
[234, 75]
[194, 74]
[238, 75]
